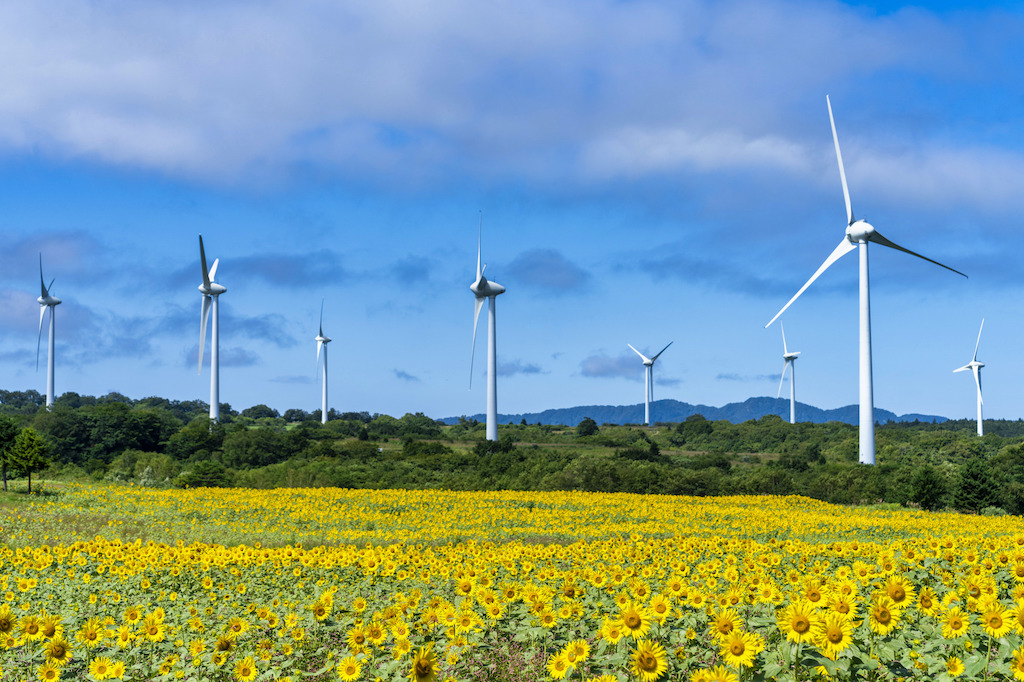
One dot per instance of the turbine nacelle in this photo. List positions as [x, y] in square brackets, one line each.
[860, 232]
[483, 288]
[790, 356]
[48, 300]
[213, 289]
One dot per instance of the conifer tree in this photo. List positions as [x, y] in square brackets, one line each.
[28, 453]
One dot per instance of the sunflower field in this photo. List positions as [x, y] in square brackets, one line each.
[126, 583]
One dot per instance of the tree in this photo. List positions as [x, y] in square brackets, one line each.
[928, 488]
[29, 453]
[587, 427]
[260, 411]
[976, 488]
[8, 435]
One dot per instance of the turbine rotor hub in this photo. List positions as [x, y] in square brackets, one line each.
[860, 232]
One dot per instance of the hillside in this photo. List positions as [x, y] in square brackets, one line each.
[676, 411]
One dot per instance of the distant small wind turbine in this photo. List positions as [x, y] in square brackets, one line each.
[484, 289]
[321, 342]
[211, 292]
[649, 379]
[975, 367]
[790, 363]
[46, 302]
[858, 234]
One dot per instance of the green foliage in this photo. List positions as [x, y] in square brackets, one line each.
[204, 475]
[28, 454]
[8, 436]
[928, 488]
[976, 487]
[587, 427]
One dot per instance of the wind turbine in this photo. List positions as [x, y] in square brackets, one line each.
[975, 367]
[790, 363]
[858, 234]
[484, 289]
[211, 292]
[649, 379]
[46, 301]
[321, 342]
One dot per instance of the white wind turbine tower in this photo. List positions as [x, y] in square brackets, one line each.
[975, 367]
[790, 363]
[211, 292]
[858, 234]
[46, 302]
[649, 379]
[484, 289]
[321, 343]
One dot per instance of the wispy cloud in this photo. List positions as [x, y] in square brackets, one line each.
[234, 356]
[514, 367]
[602, 365]
[747, 378]
[547, 269]
[405, 376]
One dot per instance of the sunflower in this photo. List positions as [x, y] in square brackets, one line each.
[740, 648]
[635, 619]
[996, 621]
[611, 630]
[1018, 664]
[649, 660]
[798, 621]
[883, 615]
[424, 666]
[559, 666]
[724, 623]
[7, 620]
[954, 666]
[900, 590]
[834, 634]
[955, 623]
[576, 650]
[132, 615]
[356, 638]
[927, 601]
[30, 628]
[245, 669]
[48, 672]
[349, 668]
[152, 629]
[100, 668]
[58, 651]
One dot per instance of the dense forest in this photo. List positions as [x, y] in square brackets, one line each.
[159, 442]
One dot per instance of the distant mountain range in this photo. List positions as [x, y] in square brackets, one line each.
[675, 411]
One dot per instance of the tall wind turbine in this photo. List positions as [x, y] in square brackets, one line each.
[649, 379]
[211, 292]
[858, 234]
[484, 289]
[790, 363]
[975, 367]
[321, 343]
[46, 301]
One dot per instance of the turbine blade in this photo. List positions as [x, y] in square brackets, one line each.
[202, 259]
[785, 350]
[642, 356]
[785, 366]
[479, 244]
[662, 351]
[977, 382]
[319, 345]
[321, 323]
[204, 315]
[478, 304]
[979, 339]
[42, 284]
[213, 270]
[42, 312]
[879, 239]
[962, 369]
[844, 248]
[842, 171]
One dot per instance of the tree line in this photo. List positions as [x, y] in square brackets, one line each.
[160, 442]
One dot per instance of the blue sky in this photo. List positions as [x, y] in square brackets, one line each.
[648, 172]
